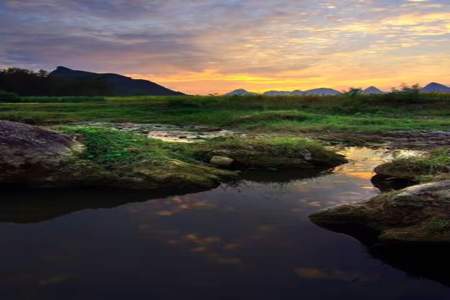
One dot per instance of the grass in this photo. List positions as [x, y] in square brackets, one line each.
[66, 99]
[391, 112]
[432, 166]
[276, 145]
[112, 149]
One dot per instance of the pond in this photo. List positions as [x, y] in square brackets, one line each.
[247, 240]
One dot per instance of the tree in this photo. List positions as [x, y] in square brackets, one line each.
[353, 92]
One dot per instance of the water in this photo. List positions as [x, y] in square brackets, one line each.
[250, 240]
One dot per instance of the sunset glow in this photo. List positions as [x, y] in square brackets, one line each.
[203, 47]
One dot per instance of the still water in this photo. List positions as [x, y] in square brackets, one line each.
[247, 240]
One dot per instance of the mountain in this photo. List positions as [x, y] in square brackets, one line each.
[372, 91]
[240, 92]
[436, 88]
[277, 93]
[106, 84]
[314, 92]
[322, 92]
[283, 93]
[297, 93]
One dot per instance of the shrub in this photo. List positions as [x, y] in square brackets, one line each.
[8, 97]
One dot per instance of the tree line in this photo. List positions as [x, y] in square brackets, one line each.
[23, 82]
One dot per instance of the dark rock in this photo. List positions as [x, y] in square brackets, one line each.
[32, 155]
[418, 214]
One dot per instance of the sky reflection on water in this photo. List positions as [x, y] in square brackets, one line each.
[246, 240]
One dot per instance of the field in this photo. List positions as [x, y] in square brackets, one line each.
[367, 114]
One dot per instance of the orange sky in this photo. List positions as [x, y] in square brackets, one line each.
[214, 46]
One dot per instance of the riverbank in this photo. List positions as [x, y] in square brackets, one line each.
[416, 215]
[76, 239]
[106, 157]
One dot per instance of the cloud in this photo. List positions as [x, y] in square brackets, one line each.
[203, 46]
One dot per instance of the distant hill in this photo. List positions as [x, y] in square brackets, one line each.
[436, 88]
[66, 82]
[372, 91]
[313, 92]
[277, 93]
[111, 84]
[240, 92]
[297, 93]
[322, 92]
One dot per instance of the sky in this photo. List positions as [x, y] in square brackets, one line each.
[214, 46]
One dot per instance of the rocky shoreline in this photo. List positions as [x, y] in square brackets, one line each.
[414, 208]
[419, 214]
[96, 157]
[125, 157]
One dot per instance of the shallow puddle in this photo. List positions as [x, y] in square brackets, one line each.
[247, 240]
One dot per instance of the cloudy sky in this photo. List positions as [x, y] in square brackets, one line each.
[213, 46]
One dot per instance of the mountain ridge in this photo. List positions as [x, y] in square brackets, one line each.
[114, 84]
[434, 87]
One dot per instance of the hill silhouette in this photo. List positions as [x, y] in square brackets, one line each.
[67, 82]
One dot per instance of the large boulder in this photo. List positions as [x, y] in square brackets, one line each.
[33, 155]
[418, 214]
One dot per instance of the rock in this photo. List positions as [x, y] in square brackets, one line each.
[32, 155]
[265, 153]
[307, 155]
[221, 161]
[419, 214]
[397, 170]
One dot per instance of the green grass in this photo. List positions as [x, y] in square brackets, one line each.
[275, 145]
[384, 113]
[434, 165]
[66, 99]
[110, 147]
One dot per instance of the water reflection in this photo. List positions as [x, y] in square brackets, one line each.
[32, 206]
[250, 239]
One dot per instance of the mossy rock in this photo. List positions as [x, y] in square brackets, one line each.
[432, 166]
[267, 152]
[418, 214]
[84, 157]
[104, 157]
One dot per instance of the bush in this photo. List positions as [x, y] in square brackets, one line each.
[8, 97]
[63, 99]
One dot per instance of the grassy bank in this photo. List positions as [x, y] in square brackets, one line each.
[111, 148]
[391, 112]
[435, 165]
